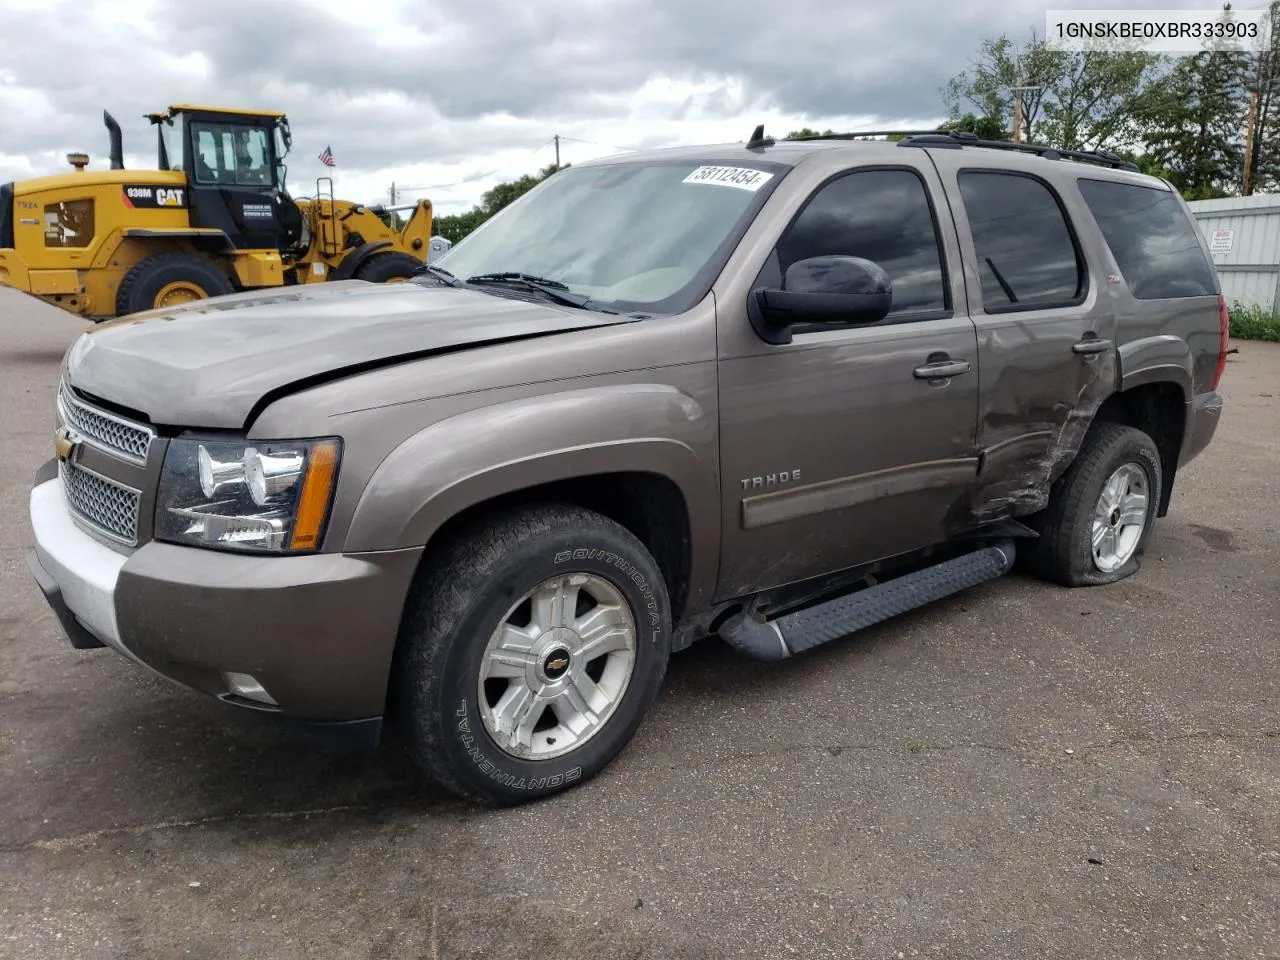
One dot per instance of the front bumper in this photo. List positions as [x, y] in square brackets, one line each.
[307, 637]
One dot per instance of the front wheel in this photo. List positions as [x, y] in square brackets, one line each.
[532, 650]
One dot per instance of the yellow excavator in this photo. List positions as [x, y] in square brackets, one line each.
[213, 219]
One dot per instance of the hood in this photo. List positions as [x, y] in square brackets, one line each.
[209, 363]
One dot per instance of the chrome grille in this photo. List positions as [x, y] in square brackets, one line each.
[122, 438]
[108, 507]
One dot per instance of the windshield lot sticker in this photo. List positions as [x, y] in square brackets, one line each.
[740, 177]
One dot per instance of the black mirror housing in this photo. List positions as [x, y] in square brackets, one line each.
[844, 290]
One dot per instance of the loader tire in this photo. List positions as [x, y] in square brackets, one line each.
[387, 267]
[169, 280]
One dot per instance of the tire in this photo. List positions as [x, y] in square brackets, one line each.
[1064, 553]
[384, 267]
[448, 712]
[168, 279]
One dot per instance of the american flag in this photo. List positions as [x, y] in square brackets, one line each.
[327, 158]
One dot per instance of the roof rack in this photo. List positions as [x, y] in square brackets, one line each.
[955, 139]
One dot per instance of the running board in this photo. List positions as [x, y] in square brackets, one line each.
[803, 630]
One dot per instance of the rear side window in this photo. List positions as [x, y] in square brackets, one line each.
[880, 215]
[1027, 258]
[1155, 243]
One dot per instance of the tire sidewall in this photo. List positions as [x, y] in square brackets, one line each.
[382, 267]
[468, 749]
[1132, 449]
[141, 293]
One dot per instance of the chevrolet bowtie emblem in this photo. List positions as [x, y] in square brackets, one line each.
[63, 443]
[559, 663]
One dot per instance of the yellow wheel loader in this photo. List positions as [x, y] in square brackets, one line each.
[214, 218]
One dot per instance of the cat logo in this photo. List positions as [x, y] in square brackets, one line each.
[152, 197]
[64, 444]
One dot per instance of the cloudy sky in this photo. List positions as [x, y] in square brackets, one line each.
[455, 95]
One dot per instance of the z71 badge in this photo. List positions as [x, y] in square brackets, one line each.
[149, 197]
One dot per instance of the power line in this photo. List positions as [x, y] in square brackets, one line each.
[597, 143]
[475, 176]
[556, 139]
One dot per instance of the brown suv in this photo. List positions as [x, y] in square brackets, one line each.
[774, 391]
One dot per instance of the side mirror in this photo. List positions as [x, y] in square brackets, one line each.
[846, 290]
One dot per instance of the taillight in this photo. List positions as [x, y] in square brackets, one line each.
[1224, 335]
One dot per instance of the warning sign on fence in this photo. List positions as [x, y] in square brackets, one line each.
[1220, 241]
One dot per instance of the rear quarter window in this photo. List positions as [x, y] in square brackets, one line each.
[1156, 245]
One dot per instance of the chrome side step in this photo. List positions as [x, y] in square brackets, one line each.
[803, 630]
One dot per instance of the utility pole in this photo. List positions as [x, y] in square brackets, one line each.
[1256, 117]
[557, 139]
[392, 192]
[1247, 182]
[1019, 87]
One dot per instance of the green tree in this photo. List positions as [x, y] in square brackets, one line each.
[1196, 129]
[456, 226]
[1262, 85]
[986, 128]
[986, 87]
[1081, 100]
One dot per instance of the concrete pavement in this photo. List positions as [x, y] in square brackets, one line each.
[1020, 771]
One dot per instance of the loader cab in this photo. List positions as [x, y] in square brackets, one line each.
[234, 164]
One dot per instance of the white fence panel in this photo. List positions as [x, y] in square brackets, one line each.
[1244, 236]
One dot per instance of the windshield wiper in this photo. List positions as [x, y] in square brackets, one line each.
[440, 273]
[552, 288]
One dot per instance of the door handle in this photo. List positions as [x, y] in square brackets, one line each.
[941, 369]
[1091, 346]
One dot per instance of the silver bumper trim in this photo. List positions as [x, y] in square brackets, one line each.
[85, 570]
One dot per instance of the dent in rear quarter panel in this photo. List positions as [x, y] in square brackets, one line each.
[1171, 333]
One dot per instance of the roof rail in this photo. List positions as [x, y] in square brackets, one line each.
[955, 139]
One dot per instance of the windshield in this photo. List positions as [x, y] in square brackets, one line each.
[231, 153]
[636, 236]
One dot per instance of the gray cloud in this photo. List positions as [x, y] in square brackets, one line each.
[425, 86]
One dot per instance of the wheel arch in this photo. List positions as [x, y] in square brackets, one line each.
[1157, 407]
[663, 488]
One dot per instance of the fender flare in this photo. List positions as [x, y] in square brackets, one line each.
[352, 261]
[1159, 359]
[474, 456]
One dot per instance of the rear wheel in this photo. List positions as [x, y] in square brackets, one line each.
[166, 280]
[532, 650]
[387, 267]
[1100, 514]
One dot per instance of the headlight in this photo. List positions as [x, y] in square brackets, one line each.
[244, 495]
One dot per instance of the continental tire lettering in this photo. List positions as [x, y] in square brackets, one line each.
[491, 771]
[628, 570]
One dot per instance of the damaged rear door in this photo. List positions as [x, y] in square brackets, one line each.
[1045, 324]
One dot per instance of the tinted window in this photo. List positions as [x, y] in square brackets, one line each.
[1022, 239]
[1155, 244]
[881, 215]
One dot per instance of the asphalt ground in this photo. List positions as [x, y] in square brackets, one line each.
[1021, 771]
